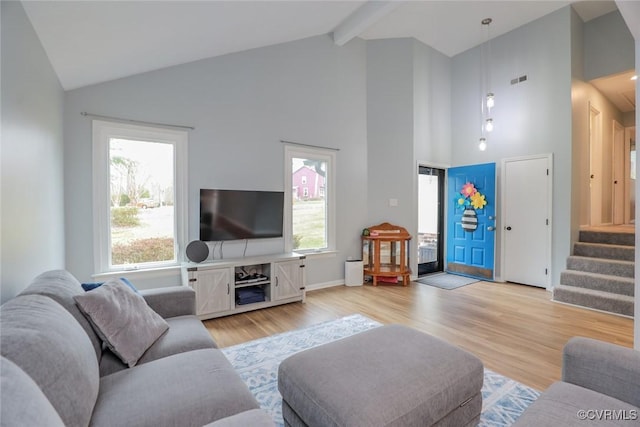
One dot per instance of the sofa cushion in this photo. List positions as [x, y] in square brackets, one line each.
[568, 405]
[171, 301]
[185, 333]
[122, 319]
[46, 342]
[94, 285]
[61, 286]
[23, 403]
[187, 389]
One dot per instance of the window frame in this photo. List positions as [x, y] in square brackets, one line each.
[305, 152]
[103, 131]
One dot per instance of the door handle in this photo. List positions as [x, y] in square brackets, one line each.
[508, 228]
[490, 228]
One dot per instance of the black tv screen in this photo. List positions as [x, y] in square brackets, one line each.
[240, 214]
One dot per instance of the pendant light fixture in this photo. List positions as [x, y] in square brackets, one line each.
[488, 97]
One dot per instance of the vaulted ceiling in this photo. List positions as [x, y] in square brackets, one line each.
[90, 42]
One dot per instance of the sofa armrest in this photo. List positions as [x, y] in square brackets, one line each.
[172, 301]
[607, 368]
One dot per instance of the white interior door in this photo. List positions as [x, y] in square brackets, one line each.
[595, 167]
[618, 173]
[526, 212]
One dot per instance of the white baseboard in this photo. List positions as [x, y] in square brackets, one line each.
[330, 284]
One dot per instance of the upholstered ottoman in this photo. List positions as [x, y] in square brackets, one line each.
[387, 376]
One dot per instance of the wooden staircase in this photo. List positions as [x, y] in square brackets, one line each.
[600, 273]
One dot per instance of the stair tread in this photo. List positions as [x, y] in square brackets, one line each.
[593, 292]
[608, 237]
[607, 245]
[629, 280]
[607, 260]
[588, 246]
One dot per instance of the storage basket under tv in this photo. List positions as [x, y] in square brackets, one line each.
[385, 253]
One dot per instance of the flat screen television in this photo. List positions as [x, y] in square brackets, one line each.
[240, 214]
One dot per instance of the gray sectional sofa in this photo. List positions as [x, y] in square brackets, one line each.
[600, 387]
[55, 371]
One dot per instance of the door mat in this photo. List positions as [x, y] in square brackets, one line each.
[446, 280]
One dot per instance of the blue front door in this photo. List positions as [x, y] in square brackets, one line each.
[471, 211]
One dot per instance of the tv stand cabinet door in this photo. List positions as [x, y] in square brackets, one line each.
[213, 290]
[289, 279]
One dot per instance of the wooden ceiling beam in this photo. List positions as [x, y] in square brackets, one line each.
[365, 16]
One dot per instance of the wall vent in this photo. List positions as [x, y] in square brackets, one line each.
[517, 80]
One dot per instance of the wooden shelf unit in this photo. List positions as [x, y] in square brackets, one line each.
[385, 253]
[282, 277]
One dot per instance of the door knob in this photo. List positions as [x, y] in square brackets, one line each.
[508, 228]
[491, 228]
[592, 175]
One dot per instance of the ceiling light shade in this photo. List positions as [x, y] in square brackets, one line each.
[488, 97]
[490, 100]
[489, 126]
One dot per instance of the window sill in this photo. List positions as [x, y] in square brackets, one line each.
[319, 254]
[140, 273]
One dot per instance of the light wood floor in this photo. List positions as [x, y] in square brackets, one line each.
[516, 330]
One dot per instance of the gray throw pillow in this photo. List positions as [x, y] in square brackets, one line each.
[122, 319]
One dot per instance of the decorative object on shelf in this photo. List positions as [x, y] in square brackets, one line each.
[488, 97]
[197, 251]
[469, 200]
[385, 254]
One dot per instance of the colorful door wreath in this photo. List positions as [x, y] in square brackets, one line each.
[469, 200]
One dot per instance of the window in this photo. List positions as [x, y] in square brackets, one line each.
[139, 190]
[309, 209]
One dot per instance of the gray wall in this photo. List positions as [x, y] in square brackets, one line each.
[608, 46]
[577, 135]
[309, 91]
[32, 163]
[390, 108]
[408, 122]
[533, 117]
[432, 106]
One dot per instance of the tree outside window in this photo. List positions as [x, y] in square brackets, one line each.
[139, 188]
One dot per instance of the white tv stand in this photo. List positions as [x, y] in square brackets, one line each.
[219, 284]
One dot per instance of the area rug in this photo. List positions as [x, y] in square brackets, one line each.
[257, 364]
[446, 280]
